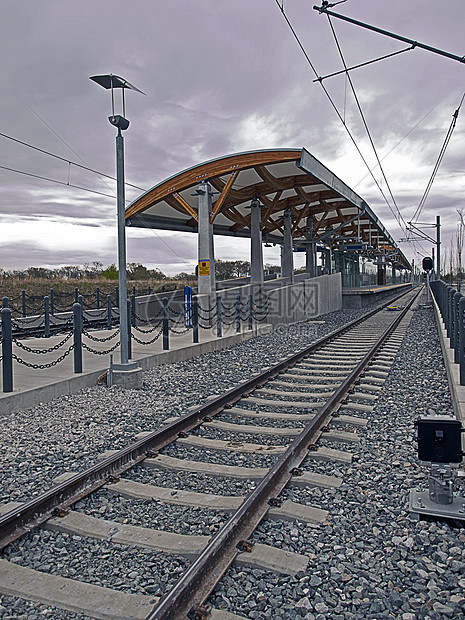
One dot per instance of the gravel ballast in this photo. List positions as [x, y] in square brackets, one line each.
[366, 561]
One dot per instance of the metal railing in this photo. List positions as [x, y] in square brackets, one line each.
[25, 305]
[451, 304]
[190, 316]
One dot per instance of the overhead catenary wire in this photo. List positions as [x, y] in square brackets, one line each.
[68, 161]
[81, 166]
[85, 189]
[438, 162]
[398, 217]
[399, 142]
[39, 176]
[55, 133]
[353, 140]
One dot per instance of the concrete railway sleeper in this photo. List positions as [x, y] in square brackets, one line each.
[293, 402]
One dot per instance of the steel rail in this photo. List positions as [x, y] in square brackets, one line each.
[185, 599]
[32, 513]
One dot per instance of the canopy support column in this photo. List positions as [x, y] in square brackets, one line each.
[381, 275]
[310, 248]
[206, 254]
[287, 258]
[256, 248]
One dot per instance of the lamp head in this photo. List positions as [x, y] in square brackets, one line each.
[119, 121]
[110, 82]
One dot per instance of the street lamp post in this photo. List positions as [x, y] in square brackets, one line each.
[121, 123]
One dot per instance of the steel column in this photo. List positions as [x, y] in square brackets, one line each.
[206, 255]
[122, 283]
[287, 258]
[256, 248]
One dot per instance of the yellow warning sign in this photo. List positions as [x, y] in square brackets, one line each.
[204, 268]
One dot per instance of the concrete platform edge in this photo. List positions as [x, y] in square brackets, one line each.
[9, 403]
[457, 391]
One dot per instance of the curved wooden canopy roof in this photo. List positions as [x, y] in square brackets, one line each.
[281, 179]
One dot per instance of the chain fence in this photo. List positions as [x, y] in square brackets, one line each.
[189, 318]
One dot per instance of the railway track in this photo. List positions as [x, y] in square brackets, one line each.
[304, 410]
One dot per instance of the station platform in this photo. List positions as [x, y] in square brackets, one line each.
[361, 297]
[32, 386]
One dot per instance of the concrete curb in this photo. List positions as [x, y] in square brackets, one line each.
[9, 403]
[457, 391]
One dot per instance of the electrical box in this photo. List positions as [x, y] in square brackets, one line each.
[439, 439]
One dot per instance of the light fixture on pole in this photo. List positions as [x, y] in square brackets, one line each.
[110, 82]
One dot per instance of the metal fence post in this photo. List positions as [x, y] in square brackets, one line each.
[149, 290]
[77, 329]
[450, 292]
[452, 321]
[219, 327]
[443, 297]
[7, 351]
[97, 297]
[456, 327]
[5, 302]
[132, 306]
[440, 299]
[23, 302]
[250, 312]
[238, 313]
[52, 302]
[81, 303]
[117, 296]
[461, 360]
[195, 320]
[46, 317]
[449, 311]
[109, 312]
[76, 295]
[129, 328]
[166, 341]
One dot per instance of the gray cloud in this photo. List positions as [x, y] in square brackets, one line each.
[220, 77]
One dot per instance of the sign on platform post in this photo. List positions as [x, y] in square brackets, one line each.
[188, 306]
[204, 268]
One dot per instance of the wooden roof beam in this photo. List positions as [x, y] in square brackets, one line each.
[304, 211]
[222, 197]
[178, 202]
[272, 205]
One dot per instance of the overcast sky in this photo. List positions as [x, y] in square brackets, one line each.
[221, 77]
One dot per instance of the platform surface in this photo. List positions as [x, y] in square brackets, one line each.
[34, 385]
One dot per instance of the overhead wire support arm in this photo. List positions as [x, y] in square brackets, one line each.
[356, 22]
[364, 64]
[419, 233]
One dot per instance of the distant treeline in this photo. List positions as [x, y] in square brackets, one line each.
[225, 270]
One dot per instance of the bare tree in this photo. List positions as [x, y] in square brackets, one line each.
[444, 261]
[459, 238]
